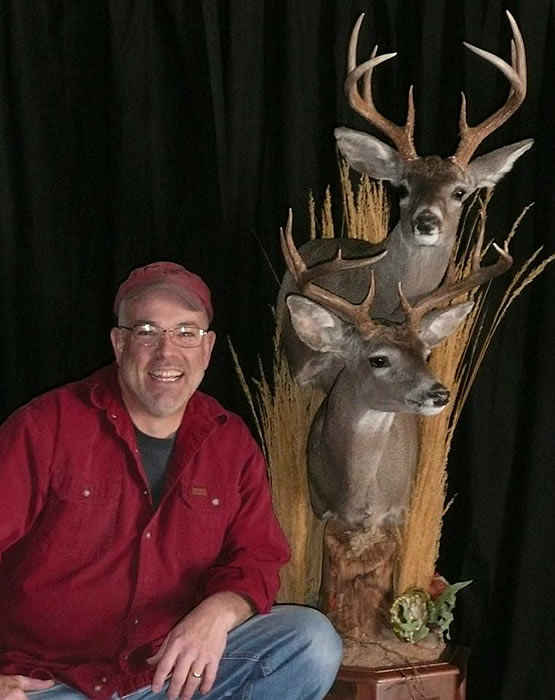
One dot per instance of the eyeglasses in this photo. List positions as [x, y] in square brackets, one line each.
[150, 335]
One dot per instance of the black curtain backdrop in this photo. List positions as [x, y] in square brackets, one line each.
[137, 130]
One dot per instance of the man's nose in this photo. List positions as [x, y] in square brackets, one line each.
[165, 344]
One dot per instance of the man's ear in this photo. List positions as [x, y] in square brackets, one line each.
[439, 324]
[116, 337]
[317, 327]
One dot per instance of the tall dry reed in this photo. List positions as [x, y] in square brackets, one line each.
[283, 413]
[456, 363]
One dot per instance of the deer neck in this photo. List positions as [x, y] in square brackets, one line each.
[351, 432]
[419, 267]
[360, 460]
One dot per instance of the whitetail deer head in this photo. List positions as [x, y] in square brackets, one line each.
[362, 446]
[431, 189]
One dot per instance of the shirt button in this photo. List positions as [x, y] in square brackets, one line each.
[97, 688]
[145, 493]
[104, 679]
[215, 501]
[136, 621]
[113, 416]
[148, 535]
[86, 493]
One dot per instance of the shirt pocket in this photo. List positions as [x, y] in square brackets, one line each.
[80, 514]
[204, 519]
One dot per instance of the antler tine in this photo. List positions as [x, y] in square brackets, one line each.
[472, 136]
[358, 314]
[402, 136]
[451, 289]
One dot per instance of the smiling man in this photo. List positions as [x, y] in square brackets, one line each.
[139, 550]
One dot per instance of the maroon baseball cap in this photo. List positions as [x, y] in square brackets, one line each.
[166, 275]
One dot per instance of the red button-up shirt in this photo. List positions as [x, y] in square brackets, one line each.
[92, 578]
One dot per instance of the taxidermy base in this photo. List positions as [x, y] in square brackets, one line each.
[441, 679]
[356, 594]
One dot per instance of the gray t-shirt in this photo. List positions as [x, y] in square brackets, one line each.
[155, 455]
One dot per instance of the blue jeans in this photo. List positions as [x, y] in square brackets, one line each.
[293, 653]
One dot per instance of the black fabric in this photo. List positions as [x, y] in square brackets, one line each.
[135, 130]
[155, 455]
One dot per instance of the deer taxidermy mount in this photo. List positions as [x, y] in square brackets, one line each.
[363, 442]
[432, 191]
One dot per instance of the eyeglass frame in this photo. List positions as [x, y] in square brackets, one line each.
[202, 333]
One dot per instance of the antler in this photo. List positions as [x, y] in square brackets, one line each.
[472, 136]
[450, 289]
[358, 314]
[402, 136]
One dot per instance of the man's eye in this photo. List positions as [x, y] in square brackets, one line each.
[186, 333]
[145, 331]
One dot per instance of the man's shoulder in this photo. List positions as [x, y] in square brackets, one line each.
[232, 432]
[212, 408]
[68, 397]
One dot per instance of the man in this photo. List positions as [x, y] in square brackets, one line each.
[139, 551]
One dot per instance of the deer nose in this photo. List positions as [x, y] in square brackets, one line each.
[438, 394]
[426, 222]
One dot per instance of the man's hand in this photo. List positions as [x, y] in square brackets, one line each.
[192, 651]
[14, 687]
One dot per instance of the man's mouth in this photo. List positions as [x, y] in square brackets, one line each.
[166, 375]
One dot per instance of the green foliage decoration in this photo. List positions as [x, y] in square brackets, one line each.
[414, 614]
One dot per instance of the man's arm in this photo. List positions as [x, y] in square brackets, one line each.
[243, 580]
[255, 548]
[25, 456]
[196, 644]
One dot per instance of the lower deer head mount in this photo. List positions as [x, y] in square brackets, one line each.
[362, 447]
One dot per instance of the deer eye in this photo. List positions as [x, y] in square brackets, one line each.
[459, 194]
[380, 361]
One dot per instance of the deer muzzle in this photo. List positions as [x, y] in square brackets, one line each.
[430, 401]
[427, 226]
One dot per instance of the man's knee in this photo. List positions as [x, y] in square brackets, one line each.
[315, 638]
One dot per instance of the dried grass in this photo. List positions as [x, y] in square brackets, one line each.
[365, 209]
[456, 363]
[283, 413]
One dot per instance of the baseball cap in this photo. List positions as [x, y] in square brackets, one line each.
[166, 275]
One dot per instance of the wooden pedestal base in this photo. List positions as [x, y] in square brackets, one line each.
[439, 680]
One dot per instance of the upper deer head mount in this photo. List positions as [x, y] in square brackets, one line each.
[363, 444]
[432, 192]
[431, 188]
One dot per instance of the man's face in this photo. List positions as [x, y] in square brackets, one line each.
[158, 381]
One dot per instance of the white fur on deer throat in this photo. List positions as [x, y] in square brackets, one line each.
[375, 421]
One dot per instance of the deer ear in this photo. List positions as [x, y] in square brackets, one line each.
[369, 155]
[487, 170]
[316, 326]
[439, 324]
